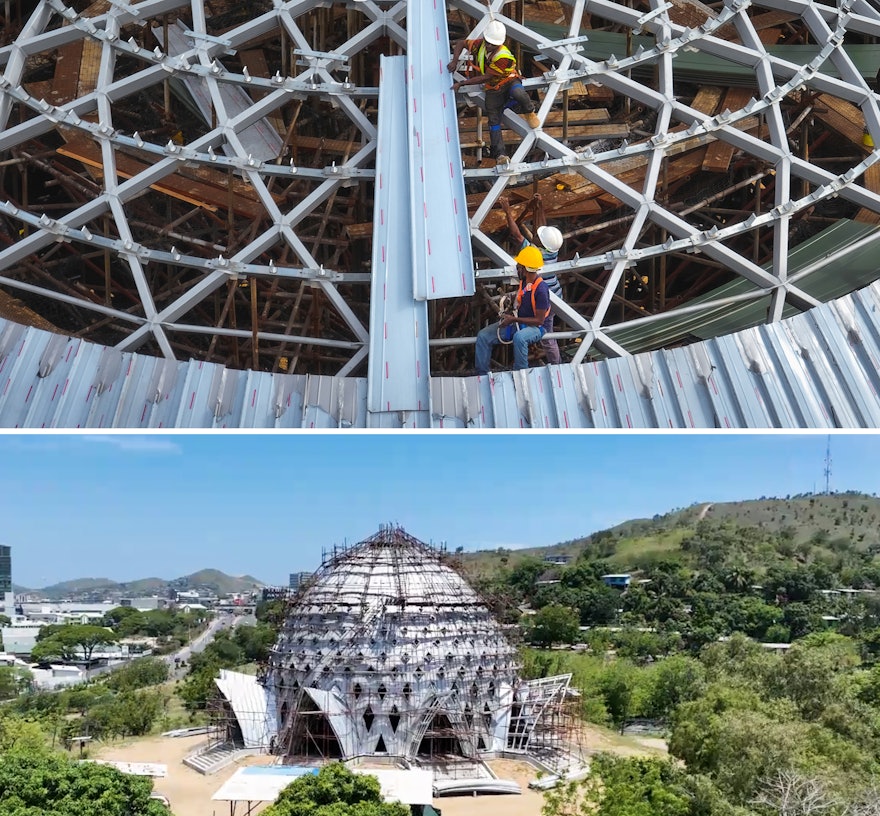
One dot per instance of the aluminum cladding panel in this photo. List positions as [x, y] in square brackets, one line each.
[443, 264]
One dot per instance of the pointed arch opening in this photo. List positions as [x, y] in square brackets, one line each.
[312, 734]
[441, 738]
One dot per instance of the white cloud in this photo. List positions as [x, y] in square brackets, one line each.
[129, 443]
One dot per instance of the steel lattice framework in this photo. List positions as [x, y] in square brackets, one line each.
[237, 228]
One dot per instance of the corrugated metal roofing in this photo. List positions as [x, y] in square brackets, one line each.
[399, 362]
[820, 369]
[443, 264]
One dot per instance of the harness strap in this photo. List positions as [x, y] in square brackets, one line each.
[519, 296]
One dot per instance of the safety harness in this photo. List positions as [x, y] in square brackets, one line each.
[505, 334]
[519, 295]
[499, 76]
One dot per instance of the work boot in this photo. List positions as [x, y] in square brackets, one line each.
[502, 160]
[532, 119]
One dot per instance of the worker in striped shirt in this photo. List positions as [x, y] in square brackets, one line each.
[549, 241]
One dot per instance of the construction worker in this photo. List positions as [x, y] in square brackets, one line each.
[549, 241]
[531, 319]
[496, 69]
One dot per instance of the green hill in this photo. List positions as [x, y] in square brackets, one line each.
[206, 580]
[217, 581]
[801, 528]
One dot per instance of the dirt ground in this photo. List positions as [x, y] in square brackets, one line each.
[190, 792]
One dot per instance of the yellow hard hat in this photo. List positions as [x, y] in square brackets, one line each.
[530, 257]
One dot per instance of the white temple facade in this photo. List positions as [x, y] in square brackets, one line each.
[388, 652]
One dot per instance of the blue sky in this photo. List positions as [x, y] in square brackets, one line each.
[127, 507]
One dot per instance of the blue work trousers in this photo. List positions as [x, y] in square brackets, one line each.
[496, 101]
[488, 337]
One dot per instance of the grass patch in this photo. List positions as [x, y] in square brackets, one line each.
[645, 551]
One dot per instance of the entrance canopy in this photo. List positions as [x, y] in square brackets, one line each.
[264, 783]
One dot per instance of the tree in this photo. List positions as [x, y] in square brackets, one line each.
[554, 624]
[752, 616]
[788, 793]
[13, 681]
[801, 619]
[334, 791]
[738, 579]
[73, 642]
[618, 685]
[199, 687]
[145, 671]
[674, 680]
[255, 641]
[131, 713]
[124, 620]
[17, 734]
[523, 576]
[621, 787]
[271, 612]
[38, 782]
[598, 604]
[54, 649]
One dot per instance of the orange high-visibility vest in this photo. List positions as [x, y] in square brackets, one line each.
[519, 296]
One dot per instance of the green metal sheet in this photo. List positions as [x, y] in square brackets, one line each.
[845, 272]
[707, 68]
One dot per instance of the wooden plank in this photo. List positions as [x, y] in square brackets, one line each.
[576, 116]
[335, 146]
[556, 202]
[772, 19]
[871, 181]
[576, 209]
[39, 90]
[97, 8]
[13, 309]
[719, 154]
[707, 99]
[89, 66]
[359, 231]
[210, 193]
[67, 65]
[582, 133]
[842, 117]
[769, 36]
[694, 13]
[548, 11]
[684, 165]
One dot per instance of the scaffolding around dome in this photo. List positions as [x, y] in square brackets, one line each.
[388, 654]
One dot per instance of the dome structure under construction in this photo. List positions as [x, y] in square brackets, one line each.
[388, 651]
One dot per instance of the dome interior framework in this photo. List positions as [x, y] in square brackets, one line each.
[196, 180]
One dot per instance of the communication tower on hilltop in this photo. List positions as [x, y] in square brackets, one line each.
[828, 466]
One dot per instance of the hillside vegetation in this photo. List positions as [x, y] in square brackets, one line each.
[206, 580]
[802, 529]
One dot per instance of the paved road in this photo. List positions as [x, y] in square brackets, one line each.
[218, 624]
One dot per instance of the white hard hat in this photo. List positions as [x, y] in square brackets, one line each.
[550, 238]
[495, 33]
